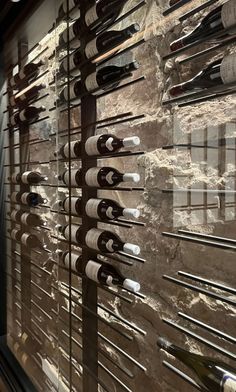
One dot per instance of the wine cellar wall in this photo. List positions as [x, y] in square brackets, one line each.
[84, 335]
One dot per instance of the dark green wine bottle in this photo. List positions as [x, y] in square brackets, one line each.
[213, 375]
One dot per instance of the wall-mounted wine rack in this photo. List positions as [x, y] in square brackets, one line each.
[37, 276]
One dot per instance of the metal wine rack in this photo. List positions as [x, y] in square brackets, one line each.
[35, 297]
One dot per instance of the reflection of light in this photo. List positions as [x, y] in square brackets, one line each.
[15, 1]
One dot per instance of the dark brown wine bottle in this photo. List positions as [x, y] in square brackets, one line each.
[28, 95]
[28, 72]
[104, 78]
[220, 72]
[219, 19]
[31, 113]
[213, 375]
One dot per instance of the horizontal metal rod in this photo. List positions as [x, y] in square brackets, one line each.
[207, 51]
[208, 293]
[208, 98]
[193, 335]
[189, 238]
[208, 327]
[121, 87]
[124, 321]
[184, 376]
[208, 282]
[175, 7]
[122, 52]
[220, 191]
[115, 378]
[204, 235]
[197, 10]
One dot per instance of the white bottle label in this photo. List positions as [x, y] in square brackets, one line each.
[92, 208]
[228, 69]
[24, 238]
[91, 82]
[73, 205]
[109, 178]
[92, 238]
[72, 149]
[24, 198]
[74, 258]
[24, 218]
[71, 34]
[22, 74]
[91, 49]
[74, 229]
[92, 269]
[12, 101]
[22, 116]
[73, 177]
[91, 176]
[229, 384]
[24, 177]
[72, 92]
[22, 97]
[91, 145]
[14, 197]
[109, 145]
[228, 14]
[14, 234]
[13, 215]
[71, 64]
[91, 15]
[14, 178]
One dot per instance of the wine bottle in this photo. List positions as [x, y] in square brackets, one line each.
[15, 234]
[102, 43]
[76, 205]
[30, 219]
[104, 12]
[76, 261]
[220, 72]
[28, 177]
[73, 34]
[219, 19]
[62, 12]
[31, 113]
[30, 199]
[31, 241]
[30, 344]
[214, 375]
[98, 177]
[98, 145]
[107, 275]
[100, 240]
[28, 95]
[75, 150]
[28, 72]
[102, 79]
[104, 209]
[108, 143]
[15, 215]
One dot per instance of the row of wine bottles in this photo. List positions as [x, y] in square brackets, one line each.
[105, 176]
[30, 199]
[97, 239]
[101, 14]
[104, 78]
[98, 145]
[105, 241]
[213, 375]
[217, 21]
[103, 273]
